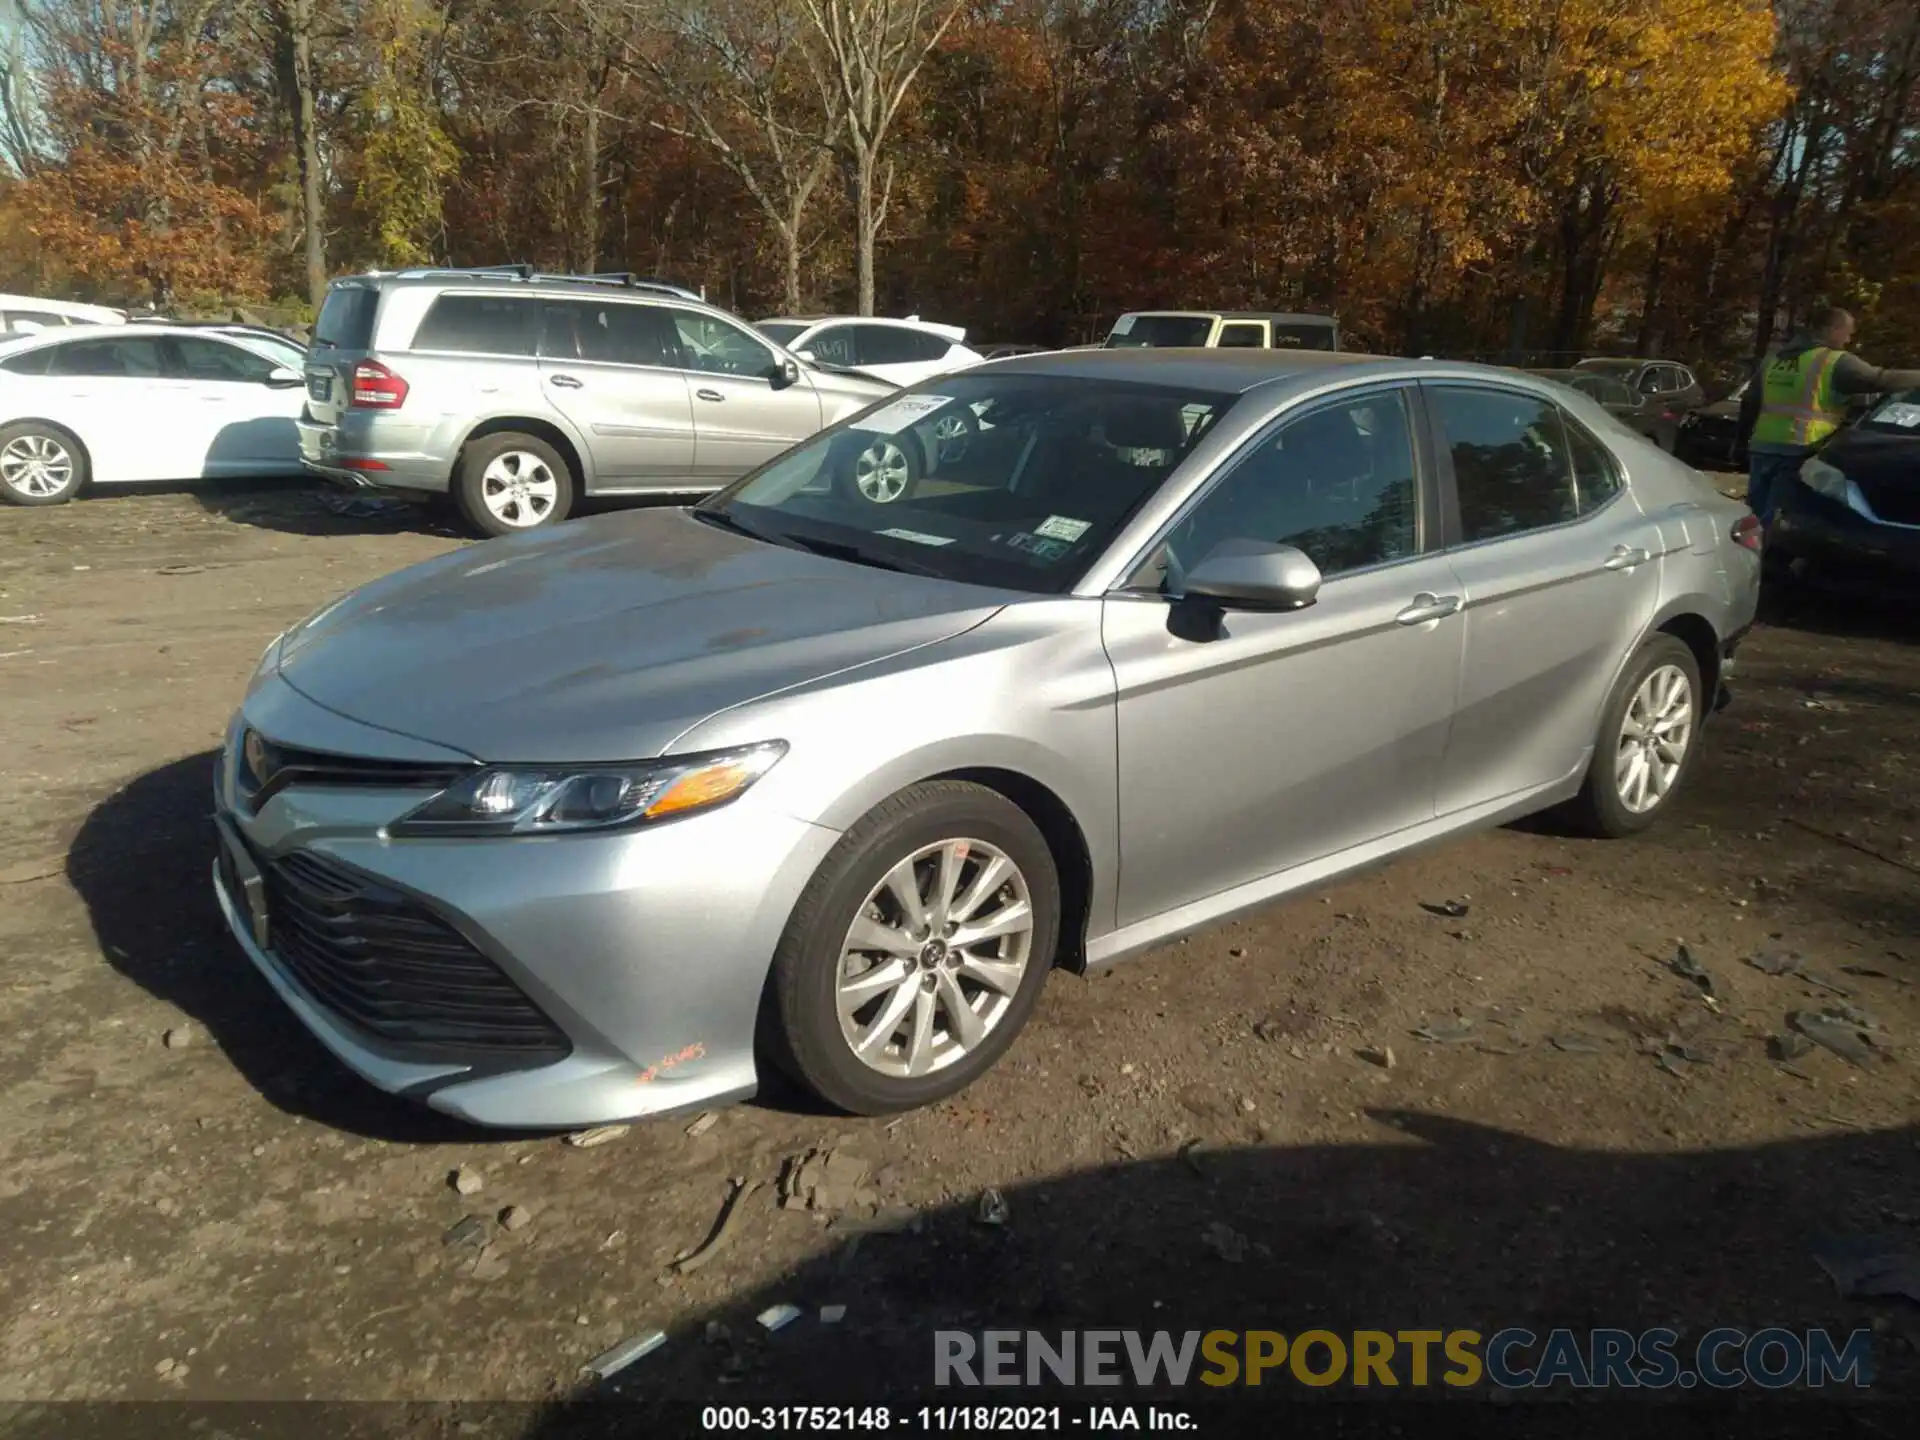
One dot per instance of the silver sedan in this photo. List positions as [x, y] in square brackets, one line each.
[581, 825]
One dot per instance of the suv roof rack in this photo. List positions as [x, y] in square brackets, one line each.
[625, 279]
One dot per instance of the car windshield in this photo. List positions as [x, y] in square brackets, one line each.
[1159, 331]
[1012, 480]
[1898, 413]
[781, 332]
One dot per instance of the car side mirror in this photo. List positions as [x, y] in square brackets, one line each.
[281, 378]
[784, 374]
[1254, 575]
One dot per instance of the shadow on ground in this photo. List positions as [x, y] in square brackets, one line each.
[142, 863]
[1442, 1225]
[306, 507]
[1843, 613]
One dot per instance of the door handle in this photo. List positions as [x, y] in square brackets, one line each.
[565, 382]
[1427, 606]
[709, 395]
[1625, 557]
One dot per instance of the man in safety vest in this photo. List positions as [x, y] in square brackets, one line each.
[1798, 398]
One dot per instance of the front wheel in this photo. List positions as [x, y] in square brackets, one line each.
[1648, 732]
[884, 470]
[917, 951]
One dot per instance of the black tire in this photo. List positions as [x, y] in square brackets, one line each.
[1599, 806]
[471, 483]
[802, 1016]
[883, 470]
[40, 464]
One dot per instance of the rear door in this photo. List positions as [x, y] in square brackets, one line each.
[136, 423]
[248, 416]
[744, 411]
[1559, 572]
[610, 367]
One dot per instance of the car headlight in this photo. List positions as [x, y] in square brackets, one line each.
[1828, 480]
[555, 799]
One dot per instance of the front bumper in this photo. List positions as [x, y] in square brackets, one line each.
[649, 949]
[1839, 546]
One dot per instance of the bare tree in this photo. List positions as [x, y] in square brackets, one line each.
[743, 81]
[873, 51]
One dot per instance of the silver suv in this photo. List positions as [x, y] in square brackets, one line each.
[519, 393]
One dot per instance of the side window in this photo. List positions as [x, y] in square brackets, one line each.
[714, 347]
[200, 359]
[833, 345]
[34, 362]
[1243, 335]
[1652, 380]
[1337, 483]
[136, 357]
[32, 322]
[1510, 461]
[478, 325]
[610, 334]
[1596, 478]
[891, 345]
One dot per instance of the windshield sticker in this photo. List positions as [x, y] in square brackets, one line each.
[1062, 527]
[916, 537]
[908, 410]
[1899, 413]
[1124, 325]
[1046, 549]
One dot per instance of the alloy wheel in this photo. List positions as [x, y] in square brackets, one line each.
[37, 466]
[881, 472]
[519, 489]
[1654, 736]
[934, 958]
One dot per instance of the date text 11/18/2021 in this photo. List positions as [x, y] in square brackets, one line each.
[943, 1419]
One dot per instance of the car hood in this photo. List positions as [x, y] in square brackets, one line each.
[1876, 457]
[605, 639]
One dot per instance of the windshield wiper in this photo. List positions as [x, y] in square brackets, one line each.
[840, 550]
[725, 520]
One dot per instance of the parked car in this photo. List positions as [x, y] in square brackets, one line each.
[1853, 516]
[29, 315]
[141, 402]
[1710, 436]
[902, 351]
[1223, 329]
[1649, 415]
[557, 830]
[519, 393]
[1675, 386]
[1006, 351]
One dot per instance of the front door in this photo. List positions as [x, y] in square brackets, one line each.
[248, 421]
[1559, 571]
[744, 413]
[608, 366]
[1270, 740]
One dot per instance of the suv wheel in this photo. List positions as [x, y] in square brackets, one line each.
[512, 482]
[885, 471]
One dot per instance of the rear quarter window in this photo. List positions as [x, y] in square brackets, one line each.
[346, 316]
[480, 325]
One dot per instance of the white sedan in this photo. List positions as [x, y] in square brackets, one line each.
[901, 351]
[127, 403]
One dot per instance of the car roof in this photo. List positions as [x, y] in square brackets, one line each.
[811, 320]
[1288, 316]
[132, 331]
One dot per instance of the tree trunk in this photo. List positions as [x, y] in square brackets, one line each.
[864, 227]
[590, 190]
[790, 245]
[1650, 296]
[293, 59]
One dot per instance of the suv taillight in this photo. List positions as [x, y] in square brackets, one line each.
[1747, 531]
[375, 387]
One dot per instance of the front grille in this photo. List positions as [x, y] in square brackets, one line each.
[389, 966]
[266, 768]
[1896, 504]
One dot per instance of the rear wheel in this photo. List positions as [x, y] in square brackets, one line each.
[917, 951]
[1644, 750]
[40, 464]
[512, 482]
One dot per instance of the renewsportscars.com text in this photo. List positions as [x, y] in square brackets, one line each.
[1511, 1359]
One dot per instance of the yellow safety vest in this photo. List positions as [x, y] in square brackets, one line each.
[1798, 404]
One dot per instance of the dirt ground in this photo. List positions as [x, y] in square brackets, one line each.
[233, 1216]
